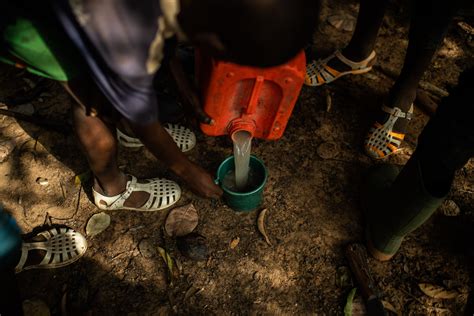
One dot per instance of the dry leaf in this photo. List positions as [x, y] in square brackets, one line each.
[181, 221]
[261, 225]
[349, 300]
[97, 223]
[391, 308]
[436, 291]
[172, 272]
[234, 242]
[82, 178]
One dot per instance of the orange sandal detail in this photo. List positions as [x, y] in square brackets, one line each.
[318, 72]
[382, 141]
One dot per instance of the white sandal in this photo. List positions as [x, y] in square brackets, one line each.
[163, 194]
[182, 136]
[318, 72]
[63, 246]
[381, 140]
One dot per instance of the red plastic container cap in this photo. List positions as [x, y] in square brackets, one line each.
[258, 100]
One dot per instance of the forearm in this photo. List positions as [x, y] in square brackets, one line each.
[161, 145]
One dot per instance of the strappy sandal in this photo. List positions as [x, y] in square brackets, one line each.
[182, 136]
[382, 141]
[63, 246]
[163, 194]
[318, 72]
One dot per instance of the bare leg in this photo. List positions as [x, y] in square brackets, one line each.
[97, 138]
[369, 20]
[429, 24]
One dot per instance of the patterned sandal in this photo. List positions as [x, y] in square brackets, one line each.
[183, 137]
[318, 72]
[163, 194]
[63, 246]
[382, 141]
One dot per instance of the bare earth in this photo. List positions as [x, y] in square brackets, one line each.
[313, 208]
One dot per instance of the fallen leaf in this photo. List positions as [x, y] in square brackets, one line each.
[391, 308]
[172, 272]
[342, 21]
[261, 225]
[82, 178]
[181, 220]
[349, 300]
[97, 223]
[234, 242]
[449, 208]
[191, 292]
[436, 291]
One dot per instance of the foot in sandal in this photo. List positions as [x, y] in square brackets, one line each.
[385, 139]
[182, 136]
[319, 72]
[140, 195]
[52, 248]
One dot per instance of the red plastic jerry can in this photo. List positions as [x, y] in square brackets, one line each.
[257, 100]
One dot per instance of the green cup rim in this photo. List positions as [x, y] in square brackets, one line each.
[265, 177]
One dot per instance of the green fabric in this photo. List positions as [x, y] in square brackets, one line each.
[396, 204]
[24, 40]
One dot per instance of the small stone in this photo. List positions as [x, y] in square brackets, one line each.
[35, 307]
[6, 149]
[327, 150]
[146, 248]
[61, 212]
[450, 208]
[42, 181]
[97, 224]
[193, 246]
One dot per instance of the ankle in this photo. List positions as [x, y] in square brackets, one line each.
[356, 54]
[111, 188]
[401, 99]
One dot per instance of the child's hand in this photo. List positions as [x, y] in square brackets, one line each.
[199, 181]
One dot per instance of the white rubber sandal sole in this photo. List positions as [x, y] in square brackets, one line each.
[163, 194]
[63, 247]
[184, 138]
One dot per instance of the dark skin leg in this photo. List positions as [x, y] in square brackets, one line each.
[369, 20]
[429, 23]
[97, 137]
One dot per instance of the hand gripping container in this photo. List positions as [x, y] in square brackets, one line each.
[257, 100]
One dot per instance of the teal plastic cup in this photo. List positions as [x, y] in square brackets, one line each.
[246, 201]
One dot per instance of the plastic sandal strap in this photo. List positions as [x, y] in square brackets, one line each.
[397, 112]
[355, 65]
[117, 201]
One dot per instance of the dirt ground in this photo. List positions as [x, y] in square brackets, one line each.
[313, 207]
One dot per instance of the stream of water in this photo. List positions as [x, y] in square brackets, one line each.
[242, 148]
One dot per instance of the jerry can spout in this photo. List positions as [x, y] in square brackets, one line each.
[241, 125]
